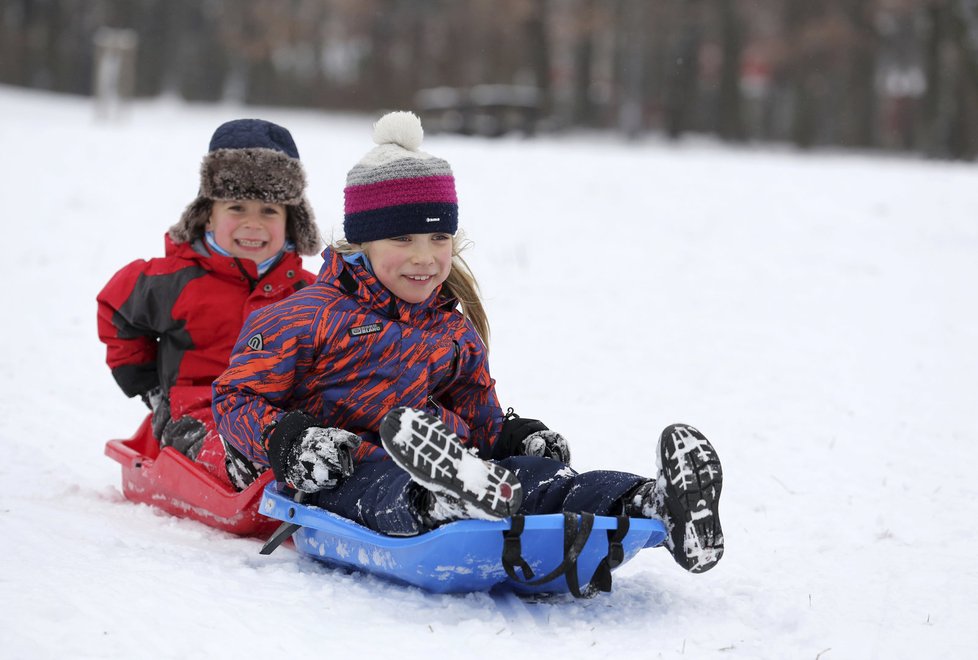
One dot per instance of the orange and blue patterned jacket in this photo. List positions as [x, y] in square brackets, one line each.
[346, 351]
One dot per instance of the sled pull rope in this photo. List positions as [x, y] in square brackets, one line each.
[284, 531]
[575, 538]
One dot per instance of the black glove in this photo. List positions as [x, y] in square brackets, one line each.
[308, 456]
[186, 435]
[522, 436]
[157, 401]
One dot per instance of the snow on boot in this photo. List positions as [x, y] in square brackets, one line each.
[434, 509]
[461, 482]
[686, 496]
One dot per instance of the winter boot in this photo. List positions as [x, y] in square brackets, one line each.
[685, 496]
[462, 485]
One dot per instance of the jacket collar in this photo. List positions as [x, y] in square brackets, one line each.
[197, 252]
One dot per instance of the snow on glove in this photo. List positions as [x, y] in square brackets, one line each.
[307, 456]
[548, 444]
[186, 435]
[321, 458]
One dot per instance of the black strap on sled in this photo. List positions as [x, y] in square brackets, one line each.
[513, 551]
[601, 580]
[575, 538]
[284, 531]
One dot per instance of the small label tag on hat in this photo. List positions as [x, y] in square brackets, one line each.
[366, 329]
[432, 219]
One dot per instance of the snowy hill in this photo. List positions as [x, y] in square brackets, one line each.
[813, 314]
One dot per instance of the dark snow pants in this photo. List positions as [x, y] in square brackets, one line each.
[380, 495]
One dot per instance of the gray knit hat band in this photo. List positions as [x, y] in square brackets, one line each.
[403, 168]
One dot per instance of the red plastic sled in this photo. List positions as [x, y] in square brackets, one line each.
[170, 481]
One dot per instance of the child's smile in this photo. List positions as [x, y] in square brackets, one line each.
[250, 244]
[249, 229]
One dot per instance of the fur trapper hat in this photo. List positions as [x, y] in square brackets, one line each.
[398, 189]
[252, 159]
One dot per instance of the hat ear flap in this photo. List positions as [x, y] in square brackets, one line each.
[303, 230]
[191, 224]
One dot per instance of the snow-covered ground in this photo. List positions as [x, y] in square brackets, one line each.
[814, 315]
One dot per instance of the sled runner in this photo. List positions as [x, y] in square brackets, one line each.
[166, 479]
[554, 553]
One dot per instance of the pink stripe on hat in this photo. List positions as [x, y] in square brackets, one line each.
[397, 192]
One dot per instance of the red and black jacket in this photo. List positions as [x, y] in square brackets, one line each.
[172, 321]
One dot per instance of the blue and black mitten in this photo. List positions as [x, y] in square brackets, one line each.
[308, 456]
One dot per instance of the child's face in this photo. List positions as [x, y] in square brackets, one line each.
[248, 229]
[411, 266]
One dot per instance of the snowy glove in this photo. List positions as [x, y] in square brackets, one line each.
[186, 435]
[156, 400]
[548, 444]
[307, 456]
[522, 436]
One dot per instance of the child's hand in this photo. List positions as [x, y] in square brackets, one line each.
[320, 458]
[522, 436]
[186, 435]
[548, 444]
[157, 402]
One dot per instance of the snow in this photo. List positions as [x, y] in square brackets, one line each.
[814, 315]
[474, 474]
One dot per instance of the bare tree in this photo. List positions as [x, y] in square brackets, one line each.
[730, 124]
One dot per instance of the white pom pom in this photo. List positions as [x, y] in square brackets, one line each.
[403, 128]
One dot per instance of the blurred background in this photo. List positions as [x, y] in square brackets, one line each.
[888, 75]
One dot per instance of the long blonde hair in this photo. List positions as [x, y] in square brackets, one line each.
[461, 283]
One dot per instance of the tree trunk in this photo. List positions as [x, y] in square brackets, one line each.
[583, 111]
[862, 90]
[539, 45]
[730, 125]
[681, 75]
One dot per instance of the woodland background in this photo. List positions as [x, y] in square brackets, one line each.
[896, 75]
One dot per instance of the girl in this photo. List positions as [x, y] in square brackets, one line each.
[371, 390]
[169, 323]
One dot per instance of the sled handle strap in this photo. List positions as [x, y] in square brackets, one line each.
[513, 553]
[575, 538]
[601, 580]
[574, 541]
[573, 545]
[513, 550]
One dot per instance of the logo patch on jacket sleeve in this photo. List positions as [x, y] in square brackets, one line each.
[256, 343]
[366, 329]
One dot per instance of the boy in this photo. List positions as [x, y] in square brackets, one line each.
[169, 323]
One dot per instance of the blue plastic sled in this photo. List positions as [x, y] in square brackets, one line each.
[463, 556]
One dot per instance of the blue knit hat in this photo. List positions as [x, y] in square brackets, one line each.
[252, 159]
[397, 189]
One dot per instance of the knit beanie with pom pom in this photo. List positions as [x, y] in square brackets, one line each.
[396, 189]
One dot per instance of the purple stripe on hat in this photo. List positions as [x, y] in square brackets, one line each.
[418, 190]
